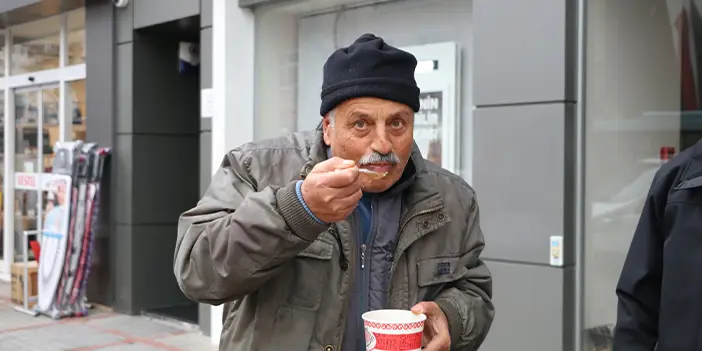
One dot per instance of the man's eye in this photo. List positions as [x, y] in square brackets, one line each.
[360, 124]
[397, 124]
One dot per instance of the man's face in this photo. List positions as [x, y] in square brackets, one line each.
[376, 133]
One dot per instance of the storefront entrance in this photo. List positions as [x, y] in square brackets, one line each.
[43, 74]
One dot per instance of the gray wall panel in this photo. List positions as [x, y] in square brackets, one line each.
[100, 103]
[205, 161]
[160, 196]
[520, 51]
[124, 271]
[99, 45]
[7, 5]
[124, 83]
[122, 159]
[206, 58]
[205, 13]
[153, 246]
[528, 303]
[151, 12]
[124, 25]
[518, 173]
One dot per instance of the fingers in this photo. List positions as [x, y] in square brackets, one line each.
[340, 178]
[332, 164]
[428, 308]
[438, 343]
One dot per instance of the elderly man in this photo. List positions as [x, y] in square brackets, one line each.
[300, 235]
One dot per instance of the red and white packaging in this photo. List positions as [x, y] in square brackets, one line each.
[393, 330]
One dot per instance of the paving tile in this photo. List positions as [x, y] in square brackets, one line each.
[56, 337]
[135, 326]
[193, 341]
[100, 331]
[130, 347]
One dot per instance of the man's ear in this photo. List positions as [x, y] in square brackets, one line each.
[327, 130]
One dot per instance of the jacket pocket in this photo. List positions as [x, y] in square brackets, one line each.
[433, 274]
[311, 272]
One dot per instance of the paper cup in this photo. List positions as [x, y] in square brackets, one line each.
[393, 330]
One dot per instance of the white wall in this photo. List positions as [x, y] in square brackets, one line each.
[232, 83]
[632, 106]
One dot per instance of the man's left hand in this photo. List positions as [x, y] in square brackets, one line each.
[436, 330]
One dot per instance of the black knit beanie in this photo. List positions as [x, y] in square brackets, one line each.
[369, 68]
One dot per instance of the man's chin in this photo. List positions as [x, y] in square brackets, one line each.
[376, 186]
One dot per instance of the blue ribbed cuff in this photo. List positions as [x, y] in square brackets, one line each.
[298, 191]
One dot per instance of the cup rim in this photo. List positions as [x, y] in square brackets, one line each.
[415, 318]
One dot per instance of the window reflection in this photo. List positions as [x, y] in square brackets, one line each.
[77, 118]
[643, 101]
[35, 45]
[76, 36]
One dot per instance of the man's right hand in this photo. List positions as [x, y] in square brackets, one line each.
[332, 190]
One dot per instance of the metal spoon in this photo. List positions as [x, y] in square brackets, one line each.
[373, 174]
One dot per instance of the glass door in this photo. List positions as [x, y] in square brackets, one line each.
[36, 130]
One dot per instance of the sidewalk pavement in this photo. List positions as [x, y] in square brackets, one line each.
[102, 330]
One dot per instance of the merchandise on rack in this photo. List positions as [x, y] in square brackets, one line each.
[68, 261]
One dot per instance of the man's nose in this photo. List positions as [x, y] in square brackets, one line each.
[381, 143]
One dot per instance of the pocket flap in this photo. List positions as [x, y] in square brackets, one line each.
[439, 270]
[319, 250]
[690, 183]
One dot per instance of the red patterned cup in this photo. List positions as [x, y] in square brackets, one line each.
[393, 330]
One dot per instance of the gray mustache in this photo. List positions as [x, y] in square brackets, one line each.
[377, 157]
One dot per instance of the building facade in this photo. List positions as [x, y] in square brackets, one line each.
[558, 113]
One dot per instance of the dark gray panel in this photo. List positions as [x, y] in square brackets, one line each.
[124, 110]
[154, 282]
[206, 58]
[529, 306]
[7, 5]
[251, 3]
[205, 13]
[205, 161]
[518, 57]
[124, 24]
[124, 271]
[99, 46]
[123, 160]
[203, 316]
[166, 177]
[169, 104]
[151, 12]
[518, 175]
[108, 279]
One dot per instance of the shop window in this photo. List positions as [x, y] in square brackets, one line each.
[640, 109]
[35, 45]
[76, 36]
[78, 115]
[293, 43]
[2, 55]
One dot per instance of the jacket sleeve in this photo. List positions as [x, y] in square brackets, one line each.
[467, 303]
[639, 286]
[237, 237]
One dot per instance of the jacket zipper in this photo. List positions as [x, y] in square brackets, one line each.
[352, 272]
[363, 256]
